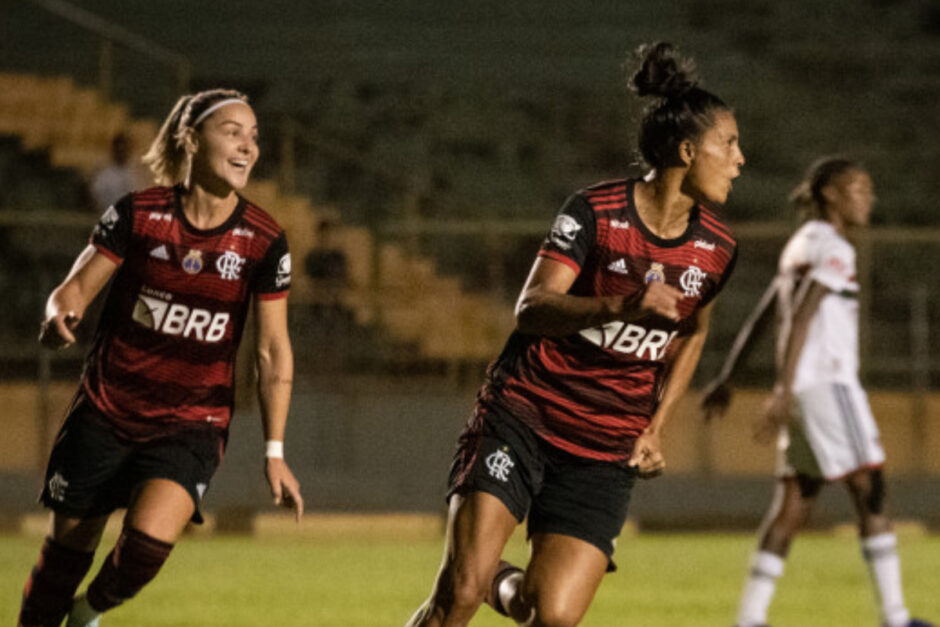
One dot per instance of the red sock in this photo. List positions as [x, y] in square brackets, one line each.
[135, 560]
[48, 594]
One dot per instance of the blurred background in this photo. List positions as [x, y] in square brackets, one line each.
[416, 152]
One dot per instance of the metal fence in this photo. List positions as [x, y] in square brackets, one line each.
[491, 260]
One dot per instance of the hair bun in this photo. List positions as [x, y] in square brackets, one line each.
[662, 72]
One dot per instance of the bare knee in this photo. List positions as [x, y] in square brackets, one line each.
[868, 491]
[868, 494]
[469, 587]
[789, 514]
[81, 534]
[552, 613]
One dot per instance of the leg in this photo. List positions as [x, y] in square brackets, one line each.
[789, 511]
[867, 489]
[560, 581]
[81, 464]
[879, 544]
[478, 527]
[573, 525]
[793, 502]
[64, 559]
[158, 513]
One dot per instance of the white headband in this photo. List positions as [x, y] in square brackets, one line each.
[210, 110]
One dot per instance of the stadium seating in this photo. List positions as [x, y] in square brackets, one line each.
[398, 290]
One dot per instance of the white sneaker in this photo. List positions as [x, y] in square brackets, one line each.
[82, 614]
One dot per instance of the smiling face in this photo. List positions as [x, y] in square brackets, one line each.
[226, 147]
[714, 160]
[850, 197]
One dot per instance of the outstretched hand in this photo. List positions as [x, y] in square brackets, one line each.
[284, 486]
[647, 457]
[776, 413]
[716, 398]
[56, 331]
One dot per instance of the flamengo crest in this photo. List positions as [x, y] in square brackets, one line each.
[691, 280]
[499, 464]
[230, 265]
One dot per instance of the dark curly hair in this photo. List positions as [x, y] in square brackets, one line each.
[681, 109]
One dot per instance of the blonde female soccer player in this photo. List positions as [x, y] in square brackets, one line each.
[150, 420]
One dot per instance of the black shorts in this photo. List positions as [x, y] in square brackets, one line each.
[93, 470]
[559, 492]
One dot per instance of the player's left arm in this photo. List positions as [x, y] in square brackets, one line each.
[275, 362]
[647, 454]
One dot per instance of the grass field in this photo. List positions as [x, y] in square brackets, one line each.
[679, 580]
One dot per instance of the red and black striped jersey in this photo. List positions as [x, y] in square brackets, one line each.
[592, 393]
[163, 356]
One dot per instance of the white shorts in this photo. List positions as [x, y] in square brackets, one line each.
[832, 434]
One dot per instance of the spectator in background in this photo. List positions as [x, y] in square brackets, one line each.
[118, 178]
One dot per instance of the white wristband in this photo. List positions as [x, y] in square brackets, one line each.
[274, 448]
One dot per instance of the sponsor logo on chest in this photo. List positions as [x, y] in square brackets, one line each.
[155, 310]
[160, 216]
[630, 339]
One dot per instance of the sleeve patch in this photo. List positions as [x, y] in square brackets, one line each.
[564, 231]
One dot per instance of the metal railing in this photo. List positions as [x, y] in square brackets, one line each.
[111, 34]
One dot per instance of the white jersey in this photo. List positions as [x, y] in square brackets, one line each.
[817, 252]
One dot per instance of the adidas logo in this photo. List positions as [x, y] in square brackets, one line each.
[160, 253]
[619, 266]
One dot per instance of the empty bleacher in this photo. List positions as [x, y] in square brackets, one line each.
[57, 133]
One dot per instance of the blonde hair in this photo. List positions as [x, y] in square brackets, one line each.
[807, 197]
[167, 157]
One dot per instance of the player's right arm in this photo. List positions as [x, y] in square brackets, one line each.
[67, 302]
[545, 307]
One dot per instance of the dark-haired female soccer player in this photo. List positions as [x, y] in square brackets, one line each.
[818, 407]
[149, 423]
[610, 326]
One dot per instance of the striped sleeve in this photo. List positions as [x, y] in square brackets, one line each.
[272, 280]
[112, 235]
[572, 235]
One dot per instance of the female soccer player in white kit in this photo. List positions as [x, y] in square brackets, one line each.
[818, 407]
